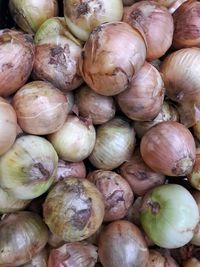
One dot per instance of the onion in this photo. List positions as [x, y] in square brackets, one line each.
[192, 262]
[128, 2]
[194, 175]
[155, 24]
[169, 148]
[105, 65]
[196, 237]
[122, 244]
[23, 235]
[169, 211]
[75, 140]
[56, 61]
[16, 60]
[30, 14]
[115, 143]
[145, 94]
[156, 259]
[70, 100]
[94, 239]
[83, 16]
[27, 170]
[170, 3]
[55, 241]
[97, 107]
[76, 206]
[41, 108]
[73, 254]
[39, 260]
[117, 194]
[133, 214]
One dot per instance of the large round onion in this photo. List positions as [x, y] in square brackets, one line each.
[122, 244]
[16, 60]
[39, 260]
[115, 143]
[23, 235]
[113, 53]
[27, 170]
[169, 148]
[83, 16]
[145, 94]
[74, 209]
[169, 211]
[30, 14]
[75, 140]
[155, 24]
[41, 108]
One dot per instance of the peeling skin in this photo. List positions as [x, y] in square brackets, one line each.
[183, 166]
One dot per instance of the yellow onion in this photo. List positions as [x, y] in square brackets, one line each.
[23, 235]
[73, 209]
[27, 170]
[194, 175]
[40, 107]
[30, 14]
[192, 262]
[113, 53]
[155, 23]
[39, 260]
[83, 16]
[143, 98]
[114, 145]
[16, 60]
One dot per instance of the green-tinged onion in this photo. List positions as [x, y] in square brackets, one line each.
[28, 169]
[169, 215]
[39, 260]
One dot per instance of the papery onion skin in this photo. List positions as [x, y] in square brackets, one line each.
[117, 194]
[73, 254]
[155, 24]
[83, 16]
[76, 206]
[27, 170]
[109, 68]
[115, 143]
[97, 107]
[40, 107]
[75, 141]
[39, 260]
[169, 211]
[143, 98]
[122, 244]
[169, 148]
[194, 175]
[16, 60]
[23, 235]
[30, 14]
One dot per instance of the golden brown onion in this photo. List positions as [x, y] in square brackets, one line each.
[113, 53]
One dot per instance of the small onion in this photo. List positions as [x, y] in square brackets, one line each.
[30, 14]
[27, 170]
[192, 262]
[156, 259]
[73, 254]
[75, 140]
[122, 244]
[83, 16]
[41, 108]
[74, 209]
[97, 107]
[169, 148]
[23, 235]
[16, 60]
[115, 143]
[39, 260]
[113, 53]
[155, 24]
[169, 211]
[143, 98]
[117, 194]
[194, 175]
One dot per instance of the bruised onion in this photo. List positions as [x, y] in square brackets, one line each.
[41, 108]
[115, 143]
[113, 53]
[155, 24]
[73, 254]
[143, 98]
[117, 194]
[75, 140]
[74, 209]
[39, 260]
[23, 235]
[122, 244]
[30, 14]
[97, 107]
[169, 148]
[194, 175]
[16, 60]
[83, 16]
